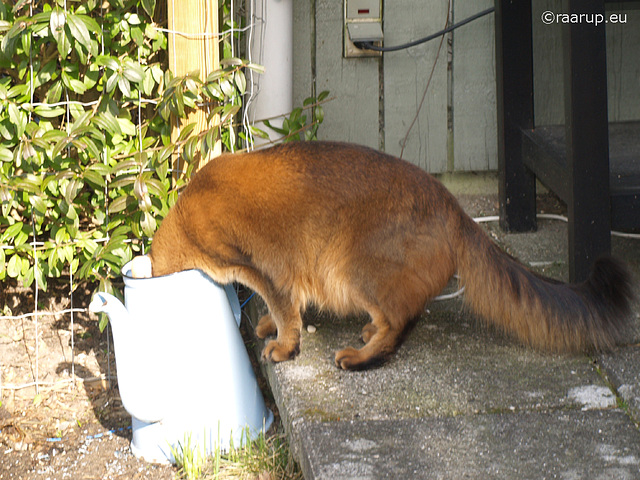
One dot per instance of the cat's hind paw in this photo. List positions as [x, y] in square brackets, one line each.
[368, 332]
[353, 359]
[266, 327]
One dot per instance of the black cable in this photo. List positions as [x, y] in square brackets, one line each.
[371, 46]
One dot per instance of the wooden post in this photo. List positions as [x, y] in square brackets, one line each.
[194, 46]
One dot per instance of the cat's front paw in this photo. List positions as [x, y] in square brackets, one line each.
[277, 352]
[266, 327]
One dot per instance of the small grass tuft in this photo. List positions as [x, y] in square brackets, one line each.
[190, 460]
[266, 458]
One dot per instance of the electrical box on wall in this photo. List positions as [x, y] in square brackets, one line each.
[362, 23]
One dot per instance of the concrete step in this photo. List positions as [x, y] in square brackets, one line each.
[460, 400]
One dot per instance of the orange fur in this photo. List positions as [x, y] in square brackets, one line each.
[350, 229]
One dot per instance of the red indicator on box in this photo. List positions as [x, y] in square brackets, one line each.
[363, 11]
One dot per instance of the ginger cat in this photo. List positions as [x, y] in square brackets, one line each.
[352, 230]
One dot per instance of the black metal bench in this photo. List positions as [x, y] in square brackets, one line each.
[593, 166]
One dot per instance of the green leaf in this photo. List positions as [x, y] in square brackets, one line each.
[21, 238]
[70, 193]
[95, 178]
[132, 18]
[104, 321]
[26, 275]
[255, 131]
[90, 23]
[106, 121]
[73, 84]
[14, 266]
[150, 31]
[60, 146]
[138, 35]
[46, 111]
[79, 30]
[148, 83]
[57, 22]
[156, 187]
[179, 103]
[228, 112]
[55, 92]
[240, 81]
[133, 71]
[38, 204]
[148, 224]
[295, 114]
[126, 126]
[68, 252]
[17, 28]
[227, 88]
[112, 81]
[18, 118]
[26, 43]
[281, 131]
[5, 155]
[185, 131]
[39, 275]
[29, 183]
[127, 164]
[149, 7]
[12, 231]
[124, 86]
[91, 76]
[107, 61]
[189, 149]
[118, 204]
[79, 127]
[61, 236]
[256, 68]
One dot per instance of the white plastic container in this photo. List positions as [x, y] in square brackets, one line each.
[183, 371]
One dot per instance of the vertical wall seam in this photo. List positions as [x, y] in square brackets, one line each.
[313, 48]
[450, 132]
[381, 113]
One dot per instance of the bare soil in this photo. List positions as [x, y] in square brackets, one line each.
[74, 425]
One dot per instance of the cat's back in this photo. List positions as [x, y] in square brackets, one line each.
[322, 166]
[313, 178]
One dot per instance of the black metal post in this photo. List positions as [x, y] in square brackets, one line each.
[514, 79]
[587, 136]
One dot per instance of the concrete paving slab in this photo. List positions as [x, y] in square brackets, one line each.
[564, 444]
[449, 365]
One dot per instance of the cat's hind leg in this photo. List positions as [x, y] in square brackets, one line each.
[382, 338]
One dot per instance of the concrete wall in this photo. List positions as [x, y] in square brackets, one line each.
[455, 130]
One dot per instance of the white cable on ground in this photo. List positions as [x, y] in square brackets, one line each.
[553, 216]
[545, 216]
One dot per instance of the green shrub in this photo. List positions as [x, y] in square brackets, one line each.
[86, 156]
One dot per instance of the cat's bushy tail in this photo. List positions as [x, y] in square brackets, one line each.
[541, 312]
